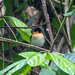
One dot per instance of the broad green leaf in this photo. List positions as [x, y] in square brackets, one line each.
[58, 70]
[23, 71]
[28, 55]
[63, 63]
[70, 56]
[25, 33]
[34, 58]
[11, 66]
[70, 13]
[27, 68]
[17, 67]
[47, 71]
[45, 63]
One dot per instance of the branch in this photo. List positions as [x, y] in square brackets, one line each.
[58, 2]
[10, 28]
[67, 20]
[61, 24]
[5, 60]
[57, 34]
[23, 44]
[60, 45]
[25, 27]
[47, 20]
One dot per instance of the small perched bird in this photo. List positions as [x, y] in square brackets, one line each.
[37, 37]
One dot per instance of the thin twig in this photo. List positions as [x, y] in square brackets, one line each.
[26, 27]
[61, 7]
[10, 28]
[57, 34]
[67, 20]
[3, 48]
[49, 42]
[34, 71]
[5, 60]
[58, 2]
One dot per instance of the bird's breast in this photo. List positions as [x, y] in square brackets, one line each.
[38, 39]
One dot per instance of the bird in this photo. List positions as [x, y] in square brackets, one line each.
[37, 37]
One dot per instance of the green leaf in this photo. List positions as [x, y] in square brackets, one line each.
[58, 70]
[34, 58]
[55, 24]
[7, 5]
[73, 49]
[73, 6]
[21, 6]
[27, 68]
[17, 67]
[63, 63]
[72, 33]
[24, 14]
[45, 63]
[16, 2]
[47, 71]
[31, 20]
[48, 57]
[70, 13]
[25, 33]
[28, 55]
[24, 70]
[11, 66]
[70, 56]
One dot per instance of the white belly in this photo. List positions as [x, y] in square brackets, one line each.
[38, 41]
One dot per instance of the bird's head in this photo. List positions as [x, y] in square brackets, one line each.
[36, 30]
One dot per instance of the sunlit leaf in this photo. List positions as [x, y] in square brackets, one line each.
[45, 63]
[17, 67]
[11, 66]
[34, 58]
[28, 55]
[27, 68]
[63, 63]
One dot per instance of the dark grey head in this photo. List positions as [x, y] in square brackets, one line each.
[37, 29]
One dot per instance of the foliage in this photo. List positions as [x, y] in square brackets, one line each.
[36, 59]
[70, 13]
[70, 56]
[64, 65]
[25, 33]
